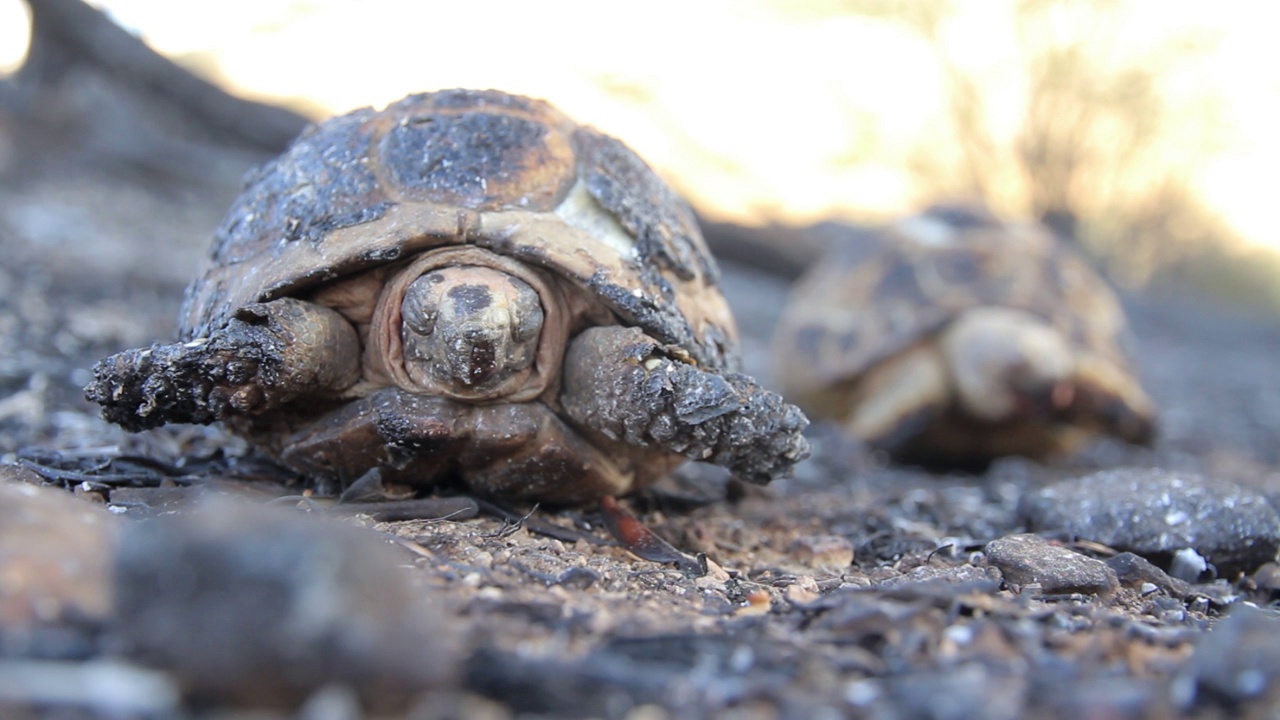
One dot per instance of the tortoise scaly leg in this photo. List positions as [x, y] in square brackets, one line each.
[630, 388]
[267, 355]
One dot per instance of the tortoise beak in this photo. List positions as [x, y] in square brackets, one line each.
[472, 356]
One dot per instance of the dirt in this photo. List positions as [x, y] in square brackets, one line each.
[855, 589]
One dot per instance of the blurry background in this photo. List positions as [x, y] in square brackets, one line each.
[1147, 126]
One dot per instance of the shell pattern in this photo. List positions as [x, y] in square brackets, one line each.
[501, 172]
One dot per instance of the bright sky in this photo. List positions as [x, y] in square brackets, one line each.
[754, 110]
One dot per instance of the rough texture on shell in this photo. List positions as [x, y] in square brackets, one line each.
[848, 314]
[502, 172]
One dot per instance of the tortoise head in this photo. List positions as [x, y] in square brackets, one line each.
[1009, 364]
[468, 330]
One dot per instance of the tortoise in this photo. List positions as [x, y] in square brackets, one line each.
[468, 285]
[961, 339]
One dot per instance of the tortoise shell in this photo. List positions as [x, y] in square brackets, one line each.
[501, 172]
[852, 312]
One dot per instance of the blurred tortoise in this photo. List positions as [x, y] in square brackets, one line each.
[464, 284]
[962, 340]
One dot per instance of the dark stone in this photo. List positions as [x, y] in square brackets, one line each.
[1155, 513]
[262, 608]
[1135, 570]
[1032, 560]
[1238, 660]
[691, 675]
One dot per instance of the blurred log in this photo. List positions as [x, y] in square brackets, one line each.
[67, 34]
[92, 95]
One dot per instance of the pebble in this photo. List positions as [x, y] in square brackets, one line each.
[1032, 560]
[803, 592]
[832, 553]
[1156, 513]
[55, 555]
[262, 607]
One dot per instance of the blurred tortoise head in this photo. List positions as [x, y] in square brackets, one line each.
[964, 339]
[463, 284]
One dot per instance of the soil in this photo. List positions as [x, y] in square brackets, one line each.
[854, 589]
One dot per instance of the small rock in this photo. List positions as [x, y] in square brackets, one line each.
[259, 607]
[1166, 609]
[1267, 577]
[803, 592]
[758, 602]
[55, 556]
[1187, 564]
[958, 575]
[1135, 570]
[1219, 593]
[1155, 513]
[1031, 560]
[825, 552]
[1238, 659]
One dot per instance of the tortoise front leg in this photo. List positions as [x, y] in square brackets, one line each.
[629, 387]
[267, 355]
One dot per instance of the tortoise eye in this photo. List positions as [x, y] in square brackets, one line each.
[416, 312]
[422, 323]
[527, 326]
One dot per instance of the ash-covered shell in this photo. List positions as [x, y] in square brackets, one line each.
[501, 172]
[849, 313]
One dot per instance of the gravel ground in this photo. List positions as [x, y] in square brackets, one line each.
[854, 589]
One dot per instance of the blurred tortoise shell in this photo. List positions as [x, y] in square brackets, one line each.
[854, 317]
